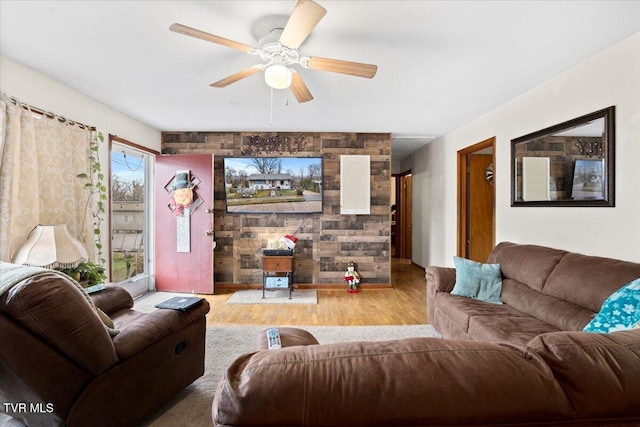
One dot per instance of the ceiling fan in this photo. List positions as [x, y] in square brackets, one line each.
[279, 50]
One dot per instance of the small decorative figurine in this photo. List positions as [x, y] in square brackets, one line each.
[182, 197]
[352, 278]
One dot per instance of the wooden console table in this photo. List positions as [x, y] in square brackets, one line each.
[277, 273]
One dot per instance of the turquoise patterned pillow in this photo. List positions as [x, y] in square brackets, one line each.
[621, 311]
[477, 280]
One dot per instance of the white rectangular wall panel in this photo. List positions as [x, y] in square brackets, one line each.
[535, 178]
[355, 185]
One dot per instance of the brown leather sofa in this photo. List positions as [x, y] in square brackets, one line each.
[525, 362]
[559, 378]
[60, 366]
[543, 290]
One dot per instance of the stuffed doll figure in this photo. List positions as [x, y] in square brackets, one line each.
[352, 278]
[182, 193]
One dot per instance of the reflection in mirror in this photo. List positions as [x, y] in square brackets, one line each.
[570, 164]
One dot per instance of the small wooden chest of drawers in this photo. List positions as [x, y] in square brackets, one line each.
[275, 268]
[277, 264]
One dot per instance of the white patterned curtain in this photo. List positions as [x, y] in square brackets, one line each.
[40, 158]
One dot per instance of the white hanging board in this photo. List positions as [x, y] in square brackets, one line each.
[355, 184]
[535, 178]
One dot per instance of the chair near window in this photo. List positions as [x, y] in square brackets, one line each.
[57, 353]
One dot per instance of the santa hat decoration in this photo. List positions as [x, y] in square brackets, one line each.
[289, 241]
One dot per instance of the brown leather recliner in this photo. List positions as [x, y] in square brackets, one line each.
[60, 366]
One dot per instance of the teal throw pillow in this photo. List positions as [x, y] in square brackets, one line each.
[619, 312]
[478, 281]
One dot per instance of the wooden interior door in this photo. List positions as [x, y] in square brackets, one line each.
[475, 222]
[176, 268]
[402, 229]
[407, 188]
[481, 211]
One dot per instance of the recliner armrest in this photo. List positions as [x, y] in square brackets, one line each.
[112, 298]
[139, 331]
[441, 279]
[289, 337]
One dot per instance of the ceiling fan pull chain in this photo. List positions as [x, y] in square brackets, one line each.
[271, 108]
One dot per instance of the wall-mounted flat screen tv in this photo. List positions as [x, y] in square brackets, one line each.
[273, 184]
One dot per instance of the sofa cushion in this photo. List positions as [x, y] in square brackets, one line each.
[528, 264]
[516, 330]
[602, 368]
[461, 309]
[561, 314]
[587, 280]
[446, 327]
[477, 280]
[620, 311]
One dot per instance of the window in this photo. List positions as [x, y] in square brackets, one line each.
[131, 206]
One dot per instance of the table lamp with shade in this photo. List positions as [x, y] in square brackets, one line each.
[51, 246]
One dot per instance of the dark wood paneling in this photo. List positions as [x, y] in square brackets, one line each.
[327, 241]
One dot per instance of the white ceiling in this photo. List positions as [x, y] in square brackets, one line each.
[440, 63]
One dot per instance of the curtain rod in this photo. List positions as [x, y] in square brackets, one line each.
[47, 114]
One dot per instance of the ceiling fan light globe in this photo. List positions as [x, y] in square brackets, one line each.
[278, 76]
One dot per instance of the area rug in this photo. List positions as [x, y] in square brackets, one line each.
[278, 296]
[192, 406]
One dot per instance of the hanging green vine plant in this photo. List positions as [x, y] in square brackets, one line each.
[95, 185]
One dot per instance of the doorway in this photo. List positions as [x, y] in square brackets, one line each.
[131, 215]
[476, 200]
[401, 219]
[184, 234]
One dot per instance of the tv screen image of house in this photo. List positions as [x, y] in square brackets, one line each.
[273, 184]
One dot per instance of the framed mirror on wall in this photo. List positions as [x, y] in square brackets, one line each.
[569, 164]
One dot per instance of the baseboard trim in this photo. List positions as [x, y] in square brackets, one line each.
[418, 266]
[327, 286]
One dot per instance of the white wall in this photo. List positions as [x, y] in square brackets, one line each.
[41, 91]
[611, 77]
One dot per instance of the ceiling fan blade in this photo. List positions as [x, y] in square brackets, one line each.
[192, 32]
[305, 16]
[238, 76]
[299, 89]
[344, 67]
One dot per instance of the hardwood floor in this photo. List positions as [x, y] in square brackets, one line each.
[404, 304]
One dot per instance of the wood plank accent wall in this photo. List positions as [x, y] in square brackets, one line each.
[327, 241]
